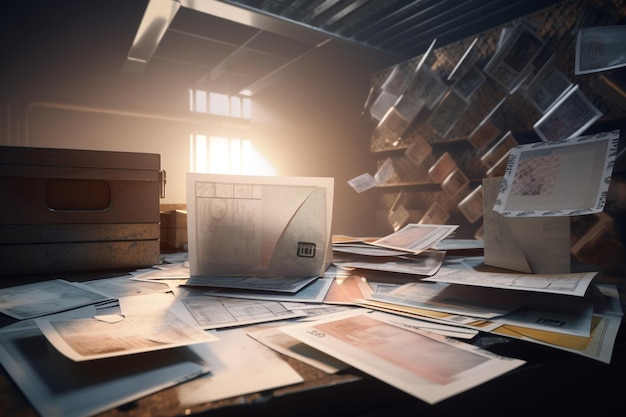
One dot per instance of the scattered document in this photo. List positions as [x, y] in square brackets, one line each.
[568, 315]
[600, 48]
[46, 297]
[239, 365]
[56, 386]
[568, 117]
[212, 312]
[425, 365]
[312, 293]
[416, 238]
[568, 284]
[426, 263]
[144, 326]
[255, 283]
[179, 270]
[433, 316]
[362, 248]
[281, 342]
[363, 182]
[125, 286]
[455, 299]
[563, 178]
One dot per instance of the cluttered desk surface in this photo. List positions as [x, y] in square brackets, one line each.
[364, 339]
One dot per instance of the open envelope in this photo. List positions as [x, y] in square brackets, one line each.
[259, 226]
[538, 245]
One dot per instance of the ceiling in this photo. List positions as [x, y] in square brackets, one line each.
[245, 46]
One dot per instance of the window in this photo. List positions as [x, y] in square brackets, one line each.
[219, 153]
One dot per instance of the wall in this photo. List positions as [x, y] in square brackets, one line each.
[313, 126]
[489, 113]
[65, 89]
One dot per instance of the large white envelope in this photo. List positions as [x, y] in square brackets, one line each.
[259, 226]
[539, 245]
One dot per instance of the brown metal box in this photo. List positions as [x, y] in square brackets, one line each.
[67, 210]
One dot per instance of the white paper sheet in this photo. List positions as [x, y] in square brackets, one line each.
[416, 238]
[212, 312]
[239, 365]
[147, 324]
[454, 299]
[530, 244]
[281, 342]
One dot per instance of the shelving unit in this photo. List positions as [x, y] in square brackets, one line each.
[473, 135]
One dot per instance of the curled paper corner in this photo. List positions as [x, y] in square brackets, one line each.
[110, 318]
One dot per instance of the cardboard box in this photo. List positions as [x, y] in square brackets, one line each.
[173, 229]
[67, 210]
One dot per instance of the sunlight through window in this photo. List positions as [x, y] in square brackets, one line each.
[220, 154]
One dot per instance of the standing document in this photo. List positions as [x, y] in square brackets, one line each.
[263, 227]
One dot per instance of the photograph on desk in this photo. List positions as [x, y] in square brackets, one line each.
[425, 365]
[147, 323]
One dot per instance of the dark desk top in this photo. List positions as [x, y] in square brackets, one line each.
[551, 380]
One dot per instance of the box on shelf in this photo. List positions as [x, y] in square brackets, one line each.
[173, 229]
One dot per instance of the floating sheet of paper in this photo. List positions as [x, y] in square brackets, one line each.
[598, 346]
[600, 48]
[59, 387]
[150, 322]
[312, 293]
[564, 178]
[240, 365]
[40, 298]
[575, 283]
[425, 263]
[345, 290]
[560, 314]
